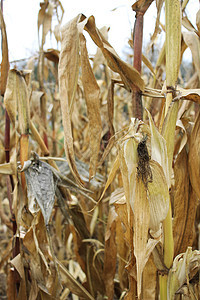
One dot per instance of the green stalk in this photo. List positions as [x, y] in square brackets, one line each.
[173, 50]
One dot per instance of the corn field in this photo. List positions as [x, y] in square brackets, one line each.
[100, 162]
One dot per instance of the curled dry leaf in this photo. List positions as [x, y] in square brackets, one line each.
[52, 55]
[44, 18]
[189, 94]
[184, 267]
[128, 74]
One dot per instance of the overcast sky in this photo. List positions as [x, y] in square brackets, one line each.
[21, 22]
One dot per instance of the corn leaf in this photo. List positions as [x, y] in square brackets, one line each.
[92, 96]
[68, 76]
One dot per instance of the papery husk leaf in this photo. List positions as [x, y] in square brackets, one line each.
[92, 96]
[173, 40]
[5, 60]
[68, 75]
[184, 267]
[194, 156]
[110, 254]
[141, 227]
[158, 196]
[185, 205]
[128, 74]
[159, 148]
[131, 160]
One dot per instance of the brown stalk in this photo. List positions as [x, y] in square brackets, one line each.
[137, 62]
[140, 7]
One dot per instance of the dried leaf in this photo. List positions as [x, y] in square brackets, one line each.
[68, 75]
[45, 18]
[185, 266]
[73, 284]
[194, 155]
[18, 264]
[7, 168]
[198, 19]
[122, 250]
[52, 55]
[185, 204]
[141, 227]
[5, 60]
[159, 149]
[158, 196]
[111, 175]
[192, 41]
[92, 96]
[149, 280]
[189, 94]
[128, 74]
[110, 254]
[141, 5]
[17, 100]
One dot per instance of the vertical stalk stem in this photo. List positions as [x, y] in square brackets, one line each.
[137, 63]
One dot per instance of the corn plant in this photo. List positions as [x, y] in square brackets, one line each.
[100, 166]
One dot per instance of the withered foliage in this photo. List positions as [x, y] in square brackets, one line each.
[96, 203]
